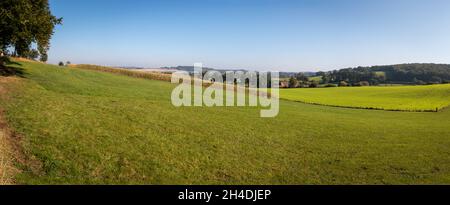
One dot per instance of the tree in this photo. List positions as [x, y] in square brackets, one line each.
[402, 73]
[314, 84]
[2, 59]
[68, 63]
[33, 54]
[301, 77]
[293, 82]
[2, 63]
[24, 23]
[44, 57]
[326, 78]
[61, 63]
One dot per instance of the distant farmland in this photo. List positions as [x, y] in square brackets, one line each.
[79, 126]
[402, 98]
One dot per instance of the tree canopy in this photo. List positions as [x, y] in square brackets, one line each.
[402, 73]
[25, 24]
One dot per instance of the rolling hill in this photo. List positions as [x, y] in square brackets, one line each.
[79, 126]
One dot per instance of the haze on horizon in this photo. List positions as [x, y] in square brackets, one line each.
[308, 35]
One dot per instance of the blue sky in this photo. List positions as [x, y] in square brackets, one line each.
[298, 35]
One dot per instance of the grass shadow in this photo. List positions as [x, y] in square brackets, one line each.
[7, 68]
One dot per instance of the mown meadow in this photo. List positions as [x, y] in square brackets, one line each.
[80, 126]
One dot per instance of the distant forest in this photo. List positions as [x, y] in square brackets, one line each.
[402, 73]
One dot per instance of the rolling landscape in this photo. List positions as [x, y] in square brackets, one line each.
[78, 126]
[107, 93]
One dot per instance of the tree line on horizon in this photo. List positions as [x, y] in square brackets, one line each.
[415, 74]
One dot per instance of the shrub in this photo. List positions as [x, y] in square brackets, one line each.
[329, 85]
[314, 84]
[364, 83]
[420, 82]
[343, 84]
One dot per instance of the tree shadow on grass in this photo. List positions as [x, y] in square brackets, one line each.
[7, 68]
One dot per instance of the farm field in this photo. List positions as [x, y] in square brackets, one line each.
[87, 127]
[315, 78]
[403, 98]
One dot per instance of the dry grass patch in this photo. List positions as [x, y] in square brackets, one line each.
[7, 168]
[121, 71]
[25, 60]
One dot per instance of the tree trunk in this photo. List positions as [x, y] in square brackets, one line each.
[2, 66]
[2, 62]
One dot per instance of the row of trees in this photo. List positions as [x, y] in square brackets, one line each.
[300, 80]
[403, 73]
[26, 27]
[353, 76]
[419, 74]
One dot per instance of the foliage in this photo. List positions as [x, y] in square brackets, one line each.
[302, 81]
[361, 83]
[33, 54]
[343, 84]
[329, 85]
[403, 73]
[364, 83]
[313, 84]
[24, 23]
[301, 77]
[293, 82]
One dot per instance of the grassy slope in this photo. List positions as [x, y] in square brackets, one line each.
[407, 98]
[89, 127]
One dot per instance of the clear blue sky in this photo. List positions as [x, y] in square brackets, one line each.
[253, 34]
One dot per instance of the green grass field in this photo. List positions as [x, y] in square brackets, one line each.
[316, 78]
[403, 98]
[88, 127]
